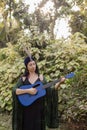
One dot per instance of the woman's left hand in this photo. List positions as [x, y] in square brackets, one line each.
[61, 81]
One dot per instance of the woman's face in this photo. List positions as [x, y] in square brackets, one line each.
[31, 66]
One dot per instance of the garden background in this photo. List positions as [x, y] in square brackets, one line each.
[55, 57]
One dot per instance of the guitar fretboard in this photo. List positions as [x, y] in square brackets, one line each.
[58, 80]
[51, 83]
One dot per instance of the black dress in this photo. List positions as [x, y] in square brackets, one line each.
[33, 114]
[42, 112]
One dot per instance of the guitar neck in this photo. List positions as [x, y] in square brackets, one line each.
[51, 83]
[58, 80]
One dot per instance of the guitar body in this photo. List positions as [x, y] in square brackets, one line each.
[28, 99]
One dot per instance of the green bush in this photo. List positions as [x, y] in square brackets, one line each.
[55, 58]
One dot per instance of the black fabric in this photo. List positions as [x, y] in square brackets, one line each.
[17, 111]
[52, 108]
[32, 115]
[35, 117]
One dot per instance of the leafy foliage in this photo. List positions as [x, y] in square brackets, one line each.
[75, 105]
[55, 58]
[78, 20]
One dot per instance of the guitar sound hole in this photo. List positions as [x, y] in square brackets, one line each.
[36, 85]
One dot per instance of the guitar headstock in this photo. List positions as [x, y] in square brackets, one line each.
[70, 75]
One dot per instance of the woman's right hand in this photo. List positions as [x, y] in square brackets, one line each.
[32, 91]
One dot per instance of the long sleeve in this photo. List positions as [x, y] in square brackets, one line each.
[51, 107]
[17, 109]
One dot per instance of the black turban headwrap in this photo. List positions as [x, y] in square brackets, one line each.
[27, 60]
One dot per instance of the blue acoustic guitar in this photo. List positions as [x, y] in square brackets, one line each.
[27, 99]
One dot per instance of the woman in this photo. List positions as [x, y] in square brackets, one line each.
[40, 113]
